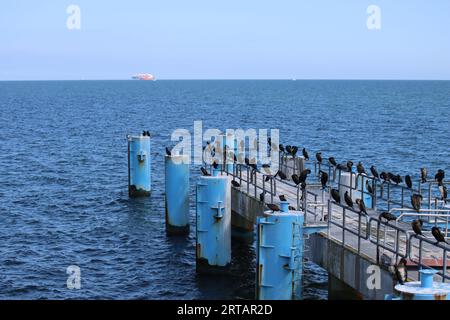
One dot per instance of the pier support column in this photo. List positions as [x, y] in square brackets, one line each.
[338, 290]
[177, 194]
[139, 166]
[280, 255]
[213, 224]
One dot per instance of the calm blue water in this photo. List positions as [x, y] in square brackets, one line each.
[63, 172]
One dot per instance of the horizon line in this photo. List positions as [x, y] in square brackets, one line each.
[226, 79]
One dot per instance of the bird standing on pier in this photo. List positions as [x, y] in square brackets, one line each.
[350, 165]
[369, 187]
[423, 175]
[408, 181]
[295, 179]
[319, 157]
[396, 178]
[443, 191]
[323, 179]
[401, 273]
[305, 154]
[387, 216]
[288, 149]
[204, 172]
[417, 227]
[282, 197]
[304, 175]
[360, 168]
[416, 200]
[281, 175]
[144, 133]
[262, 196]
[437, 234]
[332, 160]
[385, 176]
[281, 147]
[147, 133]
[168, 152]
[273, 207]
[348, 199]
[294, 150]
[362, 206]
[335, 195]
[291, 208]
[440, 175]
[374, 172]
[215, 164]
[235, 183]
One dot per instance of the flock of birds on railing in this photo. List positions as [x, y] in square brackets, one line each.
[300, 180]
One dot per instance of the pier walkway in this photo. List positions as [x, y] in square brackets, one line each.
[347, 242]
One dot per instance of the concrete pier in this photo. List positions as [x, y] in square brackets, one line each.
[359, 251]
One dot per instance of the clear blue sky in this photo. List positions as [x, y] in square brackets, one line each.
[223, 39]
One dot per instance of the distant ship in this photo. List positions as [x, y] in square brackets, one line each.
[143, 76]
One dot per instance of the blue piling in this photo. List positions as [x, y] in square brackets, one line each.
[177, 194]
[213, 224]
[280, 255]
[139, 166]
[425, 289]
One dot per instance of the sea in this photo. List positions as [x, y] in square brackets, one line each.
[63, 173]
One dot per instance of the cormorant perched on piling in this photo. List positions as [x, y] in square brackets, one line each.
[401, 273]
[168, 152]
[360, 168]
[273, 207]
[215, 164]
[342, 167]
[281, 175]
[147, 133]
[408, 181]
[374, 172]
[335, 195]
[388, 216]
[304, 175]
[235, 184]
[319, 157]
[417, 227]
[282, 197]
[323, 179]
[361, 205]
[396, 178]
[332, 160]
[437, 234]
[440, 175]
[281, 147]
[294, 150]
[305, 154]
[348, 199]
[443, 191]
[423, 175]
[144, 133]
[369, 187]
[204, 172]
[416, 200]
